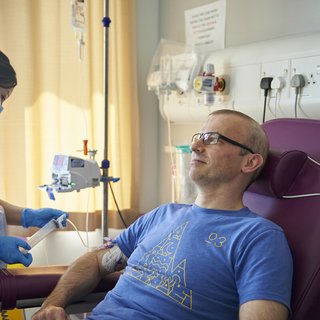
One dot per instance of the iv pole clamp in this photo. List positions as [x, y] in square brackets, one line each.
[105, 163]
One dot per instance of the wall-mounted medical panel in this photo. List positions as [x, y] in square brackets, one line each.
[244, 89]
[243, 68]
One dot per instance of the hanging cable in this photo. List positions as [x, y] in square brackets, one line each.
[265, 84]
[116, 203]
[297, 82]
[172, 161]
[277, 84]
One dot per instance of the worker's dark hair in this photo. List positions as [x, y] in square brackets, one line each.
[8, 77]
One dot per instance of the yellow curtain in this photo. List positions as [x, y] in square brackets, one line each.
[59, 100]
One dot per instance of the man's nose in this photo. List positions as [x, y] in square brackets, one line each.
[197, 146]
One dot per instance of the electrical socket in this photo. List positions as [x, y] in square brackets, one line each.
[309, 67]
[277, 69]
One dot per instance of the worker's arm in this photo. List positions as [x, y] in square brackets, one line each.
[80, 279]
[13, 213]
[28, 217]
[263, 310]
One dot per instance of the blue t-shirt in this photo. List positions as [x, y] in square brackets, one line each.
[187, 262]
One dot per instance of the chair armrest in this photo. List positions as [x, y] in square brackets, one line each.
[28, 287]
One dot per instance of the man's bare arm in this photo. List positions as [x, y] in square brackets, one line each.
[80, 279]
[263, 310]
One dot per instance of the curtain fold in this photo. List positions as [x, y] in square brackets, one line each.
[123, 99]
[59, 100]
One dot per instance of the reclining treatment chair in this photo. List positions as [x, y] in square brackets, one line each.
[287, 193]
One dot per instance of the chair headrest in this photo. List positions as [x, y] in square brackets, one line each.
[288, 173]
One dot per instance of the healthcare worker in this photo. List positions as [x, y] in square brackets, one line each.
[9, 213]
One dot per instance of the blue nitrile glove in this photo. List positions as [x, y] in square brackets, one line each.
[39, 217]
[10, 253]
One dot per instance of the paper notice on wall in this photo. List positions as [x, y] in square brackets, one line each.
[205, 26]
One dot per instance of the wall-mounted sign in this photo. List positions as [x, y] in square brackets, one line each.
[205, 26]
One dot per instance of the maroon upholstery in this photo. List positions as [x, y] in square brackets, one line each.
[28, 287]
[289, 171]
[288, 174]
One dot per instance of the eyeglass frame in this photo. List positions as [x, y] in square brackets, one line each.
[219, 136]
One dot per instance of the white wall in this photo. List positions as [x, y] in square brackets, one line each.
[147, 42]
[247, 21]
[257, 20]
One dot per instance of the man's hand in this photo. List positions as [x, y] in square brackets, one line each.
[50, 313]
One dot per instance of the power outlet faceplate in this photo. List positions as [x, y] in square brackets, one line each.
[309, 67]
[275, 69]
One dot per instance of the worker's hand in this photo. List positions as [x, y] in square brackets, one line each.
[50, 313]
[38, 218]
[10, 253]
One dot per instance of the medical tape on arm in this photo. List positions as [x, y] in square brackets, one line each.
[114, 259]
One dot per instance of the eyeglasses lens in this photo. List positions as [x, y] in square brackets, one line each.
[210, 138]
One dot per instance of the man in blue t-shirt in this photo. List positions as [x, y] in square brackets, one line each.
[213, 260]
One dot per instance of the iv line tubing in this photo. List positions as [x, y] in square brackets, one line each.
[76, 229]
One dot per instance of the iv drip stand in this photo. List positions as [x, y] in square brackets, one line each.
[105, 163]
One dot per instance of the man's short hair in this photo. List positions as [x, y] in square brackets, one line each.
[256, 139]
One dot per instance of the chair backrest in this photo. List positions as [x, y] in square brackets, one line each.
[288, 193]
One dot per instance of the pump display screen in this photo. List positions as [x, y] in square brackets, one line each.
[77, 163]
[60, 164]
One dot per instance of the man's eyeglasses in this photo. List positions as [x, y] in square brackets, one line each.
[214, 137]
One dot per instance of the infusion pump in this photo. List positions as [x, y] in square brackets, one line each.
[71, 173]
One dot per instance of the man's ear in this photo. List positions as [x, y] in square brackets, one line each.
[252, 163]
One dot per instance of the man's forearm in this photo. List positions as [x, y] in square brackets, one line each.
[79, 279]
